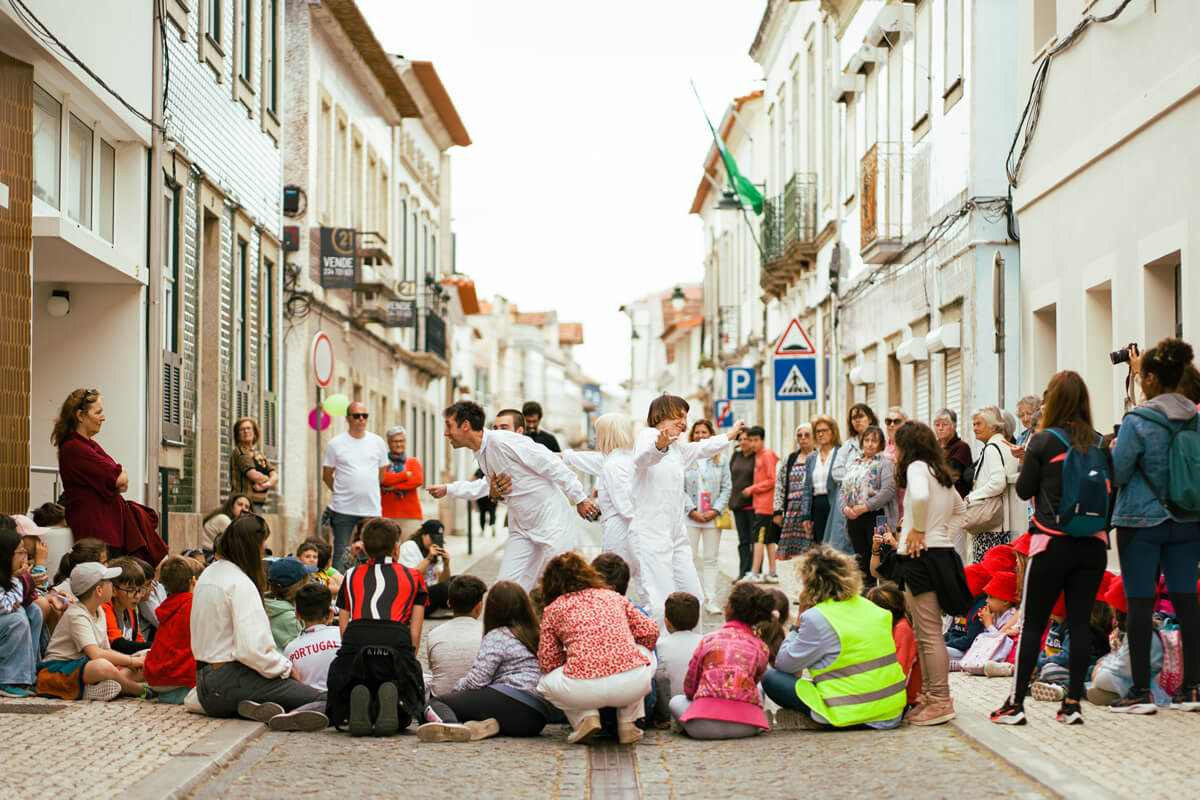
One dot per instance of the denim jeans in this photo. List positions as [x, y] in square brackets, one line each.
[20, 643]
[780, 686]
[343, 526]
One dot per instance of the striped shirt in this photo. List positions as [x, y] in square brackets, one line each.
[382, 589]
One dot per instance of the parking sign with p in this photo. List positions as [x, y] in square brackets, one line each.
[741, 383]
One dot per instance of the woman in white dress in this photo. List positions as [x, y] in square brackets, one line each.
[658, 532]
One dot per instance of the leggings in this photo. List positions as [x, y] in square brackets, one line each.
[860, 532]
[515, 718]
[744, 519]
[820, 516]
[1073, 566]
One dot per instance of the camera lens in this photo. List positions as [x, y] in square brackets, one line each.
[1119, 356]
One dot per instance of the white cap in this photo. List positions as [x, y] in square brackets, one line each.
[87, 575]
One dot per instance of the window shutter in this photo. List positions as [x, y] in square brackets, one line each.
[268, 424]
[954, 381]
[921, 378]
[172, 413]
[241, 399]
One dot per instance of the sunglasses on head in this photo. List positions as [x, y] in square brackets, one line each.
[358, 416]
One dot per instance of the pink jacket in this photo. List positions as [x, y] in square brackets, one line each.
[763, 488]
[723, 675]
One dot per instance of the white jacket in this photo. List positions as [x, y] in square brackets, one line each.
[536, 507]
[658, 484]
[615, 488]
[996, 472]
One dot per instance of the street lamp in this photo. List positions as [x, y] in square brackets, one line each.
[729, 202]
[678, 300]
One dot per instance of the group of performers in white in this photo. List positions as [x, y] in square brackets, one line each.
[639, 491]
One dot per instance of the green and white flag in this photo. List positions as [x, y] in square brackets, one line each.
[746, 191]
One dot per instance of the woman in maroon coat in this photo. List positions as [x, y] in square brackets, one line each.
[92, 482]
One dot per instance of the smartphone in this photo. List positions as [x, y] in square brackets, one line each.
[881, 525]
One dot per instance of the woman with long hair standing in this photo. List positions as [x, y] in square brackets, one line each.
[820, 491]
[92, 482]
[1152, 532]
[706, 489]
[1059, 563]
[927, 565]
[239, 671]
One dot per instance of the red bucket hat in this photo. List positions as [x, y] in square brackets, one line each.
[1003, 585]
[1021, 543]
[1001, 558]
[1060, 608]
[977, 578]
[1105, 582]
[1115, 596]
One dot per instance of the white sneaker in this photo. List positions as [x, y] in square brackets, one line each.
[749, 577]
[103, 691]
[772, 577]
[712, 608]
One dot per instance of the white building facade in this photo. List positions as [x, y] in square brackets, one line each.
[1107, 197]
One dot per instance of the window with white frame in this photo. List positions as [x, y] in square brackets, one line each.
[245, 40]
[826, 117]
[953, 73]
[922, 59]
[108, 168]
[170, 269]
[79, 175]
[270, 74]
[404, 260]
[47, 141]
[212, 20]
[241, 308]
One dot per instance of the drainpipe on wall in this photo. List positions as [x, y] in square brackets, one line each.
[154, 267]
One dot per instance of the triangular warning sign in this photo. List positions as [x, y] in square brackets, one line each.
[795, 384]
[795, 342]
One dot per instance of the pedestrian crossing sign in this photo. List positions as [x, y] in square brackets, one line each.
[795, 378]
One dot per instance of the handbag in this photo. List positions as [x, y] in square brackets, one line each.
[987, 514]
[724, 520]
[988, 646]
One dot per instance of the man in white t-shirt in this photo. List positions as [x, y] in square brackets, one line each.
[314, 649]
[354, 466]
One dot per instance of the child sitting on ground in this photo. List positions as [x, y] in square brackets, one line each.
[79, 662]
[318, 553]
[615, 571]
[963, 630]
[314, 649]
[720, 697]
[84, 550]
[450, 649]
[773, 630]
[992, 647]
[1112, 677]
[381, 608]
[676, 648]
[124, 628]
[170, 669]
[285, 576]
[887, 595]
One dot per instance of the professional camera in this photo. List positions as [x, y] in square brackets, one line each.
[1122, 356]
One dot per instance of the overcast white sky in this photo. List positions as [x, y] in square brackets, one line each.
[588, 143]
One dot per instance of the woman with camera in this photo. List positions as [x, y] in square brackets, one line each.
[1153, 530]
[423, 551]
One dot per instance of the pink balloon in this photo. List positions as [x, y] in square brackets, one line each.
[318, 417]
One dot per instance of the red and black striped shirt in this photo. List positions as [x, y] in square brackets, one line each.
[382, 589]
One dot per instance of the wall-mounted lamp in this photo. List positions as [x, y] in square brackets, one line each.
[678, 300]
[59, 304]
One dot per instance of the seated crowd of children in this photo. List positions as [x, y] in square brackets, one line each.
[507, 662]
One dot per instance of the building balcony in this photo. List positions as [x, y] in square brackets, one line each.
[881, 206]
[371, 248]
[789, 233]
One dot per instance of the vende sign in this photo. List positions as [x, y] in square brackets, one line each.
[339, 258]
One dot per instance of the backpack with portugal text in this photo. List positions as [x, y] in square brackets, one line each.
[1086, 489]
[1183, 462]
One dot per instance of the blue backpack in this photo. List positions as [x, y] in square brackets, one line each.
[1086, 490]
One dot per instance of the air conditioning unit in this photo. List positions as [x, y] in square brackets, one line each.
[862, 374]
[947, 337]
[911, 350]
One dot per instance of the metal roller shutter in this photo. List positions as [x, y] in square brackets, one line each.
[921, 391]
[954, 381]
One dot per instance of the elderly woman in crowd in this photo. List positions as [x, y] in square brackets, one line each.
[92, 482]
[845, 642]
[398, 487]
[594, 651]
[868, 492]
[995, 471]
[861, 417]
[1027, 411]
[789, 495]
[249, 471]
[958, 452]
[820, 484]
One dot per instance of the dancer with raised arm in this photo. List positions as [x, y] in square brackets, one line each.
[658, 532]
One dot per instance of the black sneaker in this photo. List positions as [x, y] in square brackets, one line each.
[1186, 699]
[388, 721]
[1139, 701]
[1009, 714]
[1069, 714]
[360, 711]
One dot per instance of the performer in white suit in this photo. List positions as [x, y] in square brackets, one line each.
[539, 519]
[612, 463]
[658, 532]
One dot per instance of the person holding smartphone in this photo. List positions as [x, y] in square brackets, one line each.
[425, 553]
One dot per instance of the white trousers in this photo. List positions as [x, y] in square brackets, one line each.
[666, 566]
[524, 559]
[710, 536]
[584, 697]
[614, 538]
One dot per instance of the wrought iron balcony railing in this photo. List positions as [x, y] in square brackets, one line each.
[790, 218]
